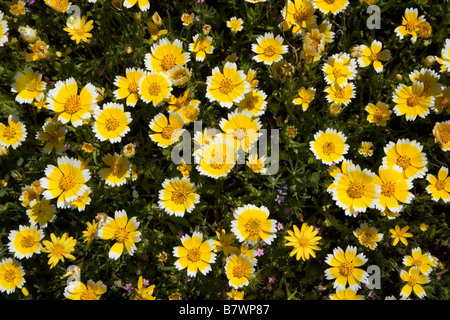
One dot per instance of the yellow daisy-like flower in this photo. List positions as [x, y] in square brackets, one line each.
[13, 134]
[224, 243]
[178, 103]
[69, 105]
[329, 146]
[444, 59]
[235, 24]
[366, 149]
[439, 187]
[79, 29]
[251, 79]
[118, 170]
[355, 191]
[251, 224]
[346, 294]
[268, 48]
[257, 164]
[91, 232]
[344, 268]
[28, 85]
[142, 292]
[39, 51]
[58, 5]
[239, 270]
[368, 236]
[375, 55]
[144, 5]
[178, 196]
[111, 123]
[407, 155]
[394, 188]
[165, 55]
[254, 101]
[305, 242]
[379, 113]
[154, 87]
[167, 130]
[340, 94]
[305, 96]
[54, 137]
[82, 201]
[410, 24]
[441, 133]
[25, 242]
[413, 280]
[66, 181]
[3, 30]
[184, 168]
[442, 101]
[241, 129]
[429, 78]
[123, 231]
[41, 212]
[195, 254]
[190, 112]
[59, 248]
[298, 15]
[128, 86]
[179, 75]
[201, 46]
[187, 19]
[334, 170]
[339, 70]
[235, 294]
[333, 6]
[154, 30]
[216, 158]
[11, 275]
[76, 290]
[227, 87]
[418, 261]
[29, 194]
[400, 234]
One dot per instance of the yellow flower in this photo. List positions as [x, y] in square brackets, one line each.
[111, 123]
[298, 15]
[366, 149]
[305, 96]
[39, 51]
[76, 290]
[118, 170]
[339, 69]
[11, 275]
[67, 181]
[235, 294]
[407, 155]
[235, 24]
[87, 147]
[128, 86]
[179, 75]
[25, 242]
[154, 87]
[251, 224]
[27, 34]
[410, 24]
[268, 48]
[154, 30]
[241, 129]
[227, 87]
[439, 187]
[79, 29]
[187, 19]
[444, 60]
[429, 78]
[368, 236]
[129, 151]
[251, 79]
[346, 294]
[165, 55]
[184, 168]
[195, 254]
[340, 94]
[41, 212]
[16, 7]
[418, 261]
[82, 201]
[144, 5]
[224, 243]
[178, 103]
[379, 113]
[257, 164]
[54, 135]
[91, 232]
[254, 101]
[167, 130]
[28, 85]
[375, 55]
[400, 235]
[304, 241]
[414, 280]
[201, 46]
[59, 248]
[143, 293]
[333, 6]
[239, 270]
[123, 231]
[329, 146]
[344, 268]
[58, 5]
[13, 134]
[442, 101]
[178, 196]
[69, 105]
[216, 158]
[441, 133]
[190, 112]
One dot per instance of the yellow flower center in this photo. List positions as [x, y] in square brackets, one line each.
[253, 227]
[330, 1]
[168, 62]
[226, 86]
[27, 242]
[355, 190]
[167, 132]
[444, 136]
[337, 72]
[235, 25]
[403, 162]
[270, 51]
[67, 182]
[373, 57]
[32, 85]
[73, 104]
[217, 161]
[111, 124]
[300, 15]
[340, 93]
[9, 133]
[411, 25]
[417, 263]
[194, 255]
[412, 282]
[202, 46]
[346, 269]
[121, 235]
[179, 74]
[115, 167]
[440, 185]
[133, 87]
[79, 31]
[239, 134]
[445, 102]
[412, 101]
[328, 148]
[9, 275]
[179, 196]
[388, 189]
[303, 242]
[239, 271]
[154, 89]
[252, 102]
[57, 250]
[368, 238]
[378, 115]
[88, 295]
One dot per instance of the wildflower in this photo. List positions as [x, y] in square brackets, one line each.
[216, 158]
[144, 5]
[339, 70]
[305, 96]
[291, 132]
[368, 236]
[235, 24]
[39, 51]
[407, 155]
[379, 113]
[254, 101]
[442, 101]
[111, 123]
[195, 254]
[79, 29]
[3, 30]
[118, 170]
[187, 19]
[178, 196]
[59, 248]
[329, 146]
[251, 224]
[28, 85]
[268, 48]
[153, 29]
[224, 243]
[201, 46]
[344, 268]
[259, 252]
[25, 242]
[206, 29]
[235, 294]
[441, 133]
[129, 287]
[346, 294]
[165, 55]
[190, 112]
[366, 149]
[413, 280]
[257, 164]
[355, 191]
[168, 130]
[423, 227]
[58, 5]
[76, 290]
[239, 270]
[298, 14]
[154, 87]
[241, 129]
[226, 87]
[41, 212]
[11, 275]
[410, 24]
[305, 242]
[128, 86]
[333, 6]
[429, 78]
[418, 261]
[444, 60]
[375, 55]
[340, 94]
[82, 201]
[439, 187]
[73, 273]
[123, 231]
[143, 292]
[184, 168]
[13, 134]
[128, 150]
[91, 232]
[54, 137]
[400, 234]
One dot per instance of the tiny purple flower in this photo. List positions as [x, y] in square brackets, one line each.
[259, 252]
[129, 287]
[272, 279]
